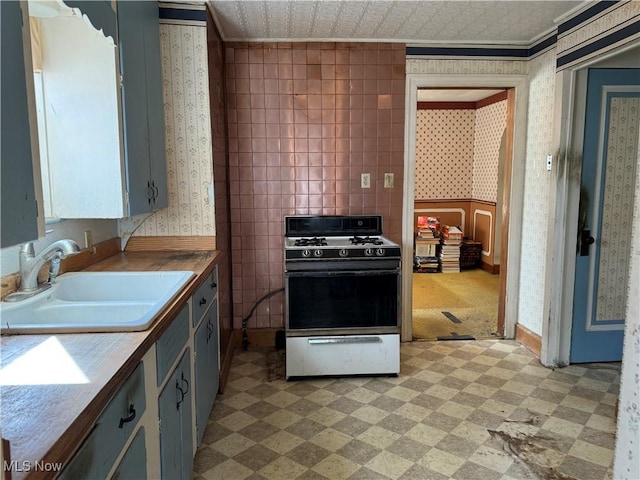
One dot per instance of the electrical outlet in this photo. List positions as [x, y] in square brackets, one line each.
[365, 180]
[549, 162]
[388, 180]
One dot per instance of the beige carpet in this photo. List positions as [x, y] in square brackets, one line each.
[455, 305]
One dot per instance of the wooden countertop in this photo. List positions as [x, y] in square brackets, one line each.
[54, 387]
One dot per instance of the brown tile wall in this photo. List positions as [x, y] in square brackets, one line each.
[305, 120]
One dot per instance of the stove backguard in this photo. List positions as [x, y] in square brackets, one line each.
[332, 225]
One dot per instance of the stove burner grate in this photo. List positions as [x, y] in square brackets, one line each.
[311, 242]
[366, 240]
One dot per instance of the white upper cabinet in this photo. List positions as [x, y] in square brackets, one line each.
[100, 117]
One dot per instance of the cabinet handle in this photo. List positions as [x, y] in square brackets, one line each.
[185, 381]
[132, 415]
[155, 190]
[209, 331]
[203, 301]
[181, 395]
[149, 192]
[213, 285]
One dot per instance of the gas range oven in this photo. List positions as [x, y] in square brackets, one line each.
[342, 296]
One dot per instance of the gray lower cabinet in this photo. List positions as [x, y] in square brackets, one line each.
[176, 431]
[206, 368]
[114, 427]
[134, 463]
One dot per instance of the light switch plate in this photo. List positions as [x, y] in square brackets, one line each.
[365, 180]
[388, 180]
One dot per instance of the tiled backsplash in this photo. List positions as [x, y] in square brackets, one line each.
[305, 120]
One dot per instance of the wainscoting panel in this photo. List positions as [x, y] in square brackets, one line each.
[483, 229]
[477, 219]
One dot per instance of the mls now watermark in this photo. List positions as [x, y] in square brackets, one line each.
[28, 466]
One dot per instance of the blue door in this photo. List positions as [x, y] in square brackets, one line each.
[603, 252]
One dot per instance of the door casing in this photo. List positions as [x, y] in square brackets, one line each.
[569, 118]
[513, 203]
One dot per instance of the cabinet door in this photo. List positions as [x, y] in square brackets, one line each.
[19, 210]
[176, 434]
[155, 107]
[207, 369]
[134, 462]
[139, 42]
[112, 429]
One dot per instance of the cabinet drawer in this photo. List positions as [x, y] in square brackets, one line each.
[171, 342]
[203, 297]
[111, 431]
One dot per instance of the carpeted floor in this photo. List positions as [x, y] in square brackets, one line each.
[455, 305]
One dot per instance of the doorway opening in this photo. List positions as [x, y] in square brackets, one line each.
[460, 154]
[505, 225]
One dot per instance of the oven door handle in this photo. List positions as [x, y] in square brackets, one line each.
[341, 340]
[341, 273]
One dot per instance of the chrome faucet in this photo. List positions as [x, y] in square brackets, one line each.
[30, 264]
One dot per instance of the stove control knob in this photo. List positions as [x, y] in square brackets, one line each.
[306, 253]
[380, 252]
[368, 252]
[343, 252]
[317, 253]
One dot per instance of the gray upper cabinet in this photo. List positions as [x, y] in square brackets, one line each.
[140, 64]
[19, 208]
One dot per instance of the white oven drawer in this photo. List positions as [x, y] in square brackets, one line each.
[343, 355]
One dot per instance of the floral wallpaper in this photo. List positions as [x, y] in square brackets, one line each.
[467, 67]
[444, 154]
[542, 79]
[490, 124]
[188, 136]
[627, 455]
[457, 152]
[617, 211]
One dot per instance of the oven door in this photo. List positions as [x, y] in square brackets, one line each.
[342, 302]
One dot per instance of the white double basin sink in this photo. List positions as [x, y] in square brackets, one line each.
[94, 302]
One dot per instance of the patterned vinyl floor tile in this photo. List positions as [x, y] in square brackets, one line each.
[461, 410]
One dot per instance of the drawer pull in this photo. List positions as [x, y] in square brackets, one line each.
[203, 301]
[132, 415]
[213, 285]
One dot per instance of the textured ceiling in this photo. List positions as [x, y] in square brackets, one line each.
[407, 21]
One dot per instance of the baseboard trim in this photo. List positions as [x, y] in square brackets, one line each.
[531, 340]
[493, 269]
[260, 337]
[225, 362]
